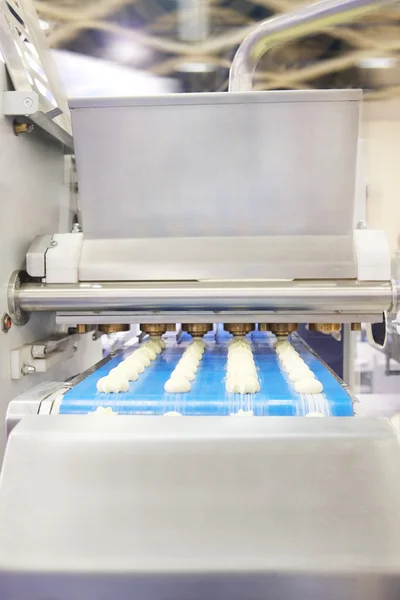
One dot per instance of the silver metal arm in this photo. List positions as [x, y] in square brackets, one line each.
[298, 23]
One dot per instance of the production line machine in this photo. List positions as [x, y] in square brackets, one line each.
[233, 216]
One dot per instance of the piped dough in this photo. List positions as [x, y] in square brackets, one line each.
[101, 410]
[243, 413]
[128, 368]
[300, 372]
[115, 383]
[308, 385]
[177, 385]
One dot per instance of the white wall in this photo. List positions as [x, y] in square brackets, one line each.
[381, 130]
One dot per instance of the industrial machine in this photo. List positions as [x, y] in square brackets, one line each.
[230, 215]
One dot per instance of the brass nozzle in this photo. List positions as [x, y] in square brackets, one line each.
[239, 329]
[279, 329]
[197, 329]
[326, 328]
[82, 328]
[114, 328]
[154, 328]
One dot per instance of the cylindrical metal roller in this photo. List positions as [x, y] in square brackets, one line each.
[342, 296]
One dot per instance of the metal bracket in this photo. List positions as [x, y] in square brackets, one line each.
[19, 317]
[36, 256]
[18, 103]
[41, 356]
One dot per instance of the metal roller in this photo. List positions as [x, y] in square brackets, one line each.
[347, 296]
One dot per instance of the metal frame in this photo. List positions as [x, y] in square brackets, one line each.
[31, 67]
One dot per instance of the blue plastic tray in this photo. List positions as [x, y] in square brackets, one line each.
[208, 396]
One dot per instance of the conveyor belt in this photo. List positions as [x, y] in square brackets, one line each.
[208, 395]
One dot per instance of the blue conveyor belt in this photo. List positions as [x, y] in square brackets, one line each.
[208, 396]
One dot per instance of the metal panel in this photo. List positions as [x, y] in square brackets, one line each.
[32, 191]
[158, 508]
[262, 163]
[162, 259]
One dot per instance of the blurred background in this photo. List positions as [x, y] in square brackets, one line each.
[130, 47]
[192, 42]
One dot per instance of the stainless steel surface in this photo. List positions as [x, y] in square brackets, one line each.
[298, 23]
[43, 348]
[297, 296]
[71, 318]
[32, 180]
[289, 508]
[228, 176]
[205, 258]
[28, 403]
[19, 317]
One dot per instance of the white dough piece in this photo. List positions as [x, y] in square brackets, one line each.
[281, 345]
[162, 343]
[284, 347]
[192, 351]
[182, 372]
[286, 352]
[172, 413]
[115, 383]
[177, 385]
[143, 356]
[242, 385]
[146, 348]
[101, 410]
[291, 365]
[240, 355]
[186, 368]
[190, 361]
[238, 369]
[242, 373]
[315, 414]
[200, 344]
[241, 370]
[154, 345]
[128, 368]
[136, 361]
[308, 385]
[243, 413]
[300, 372]
[239, 349]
